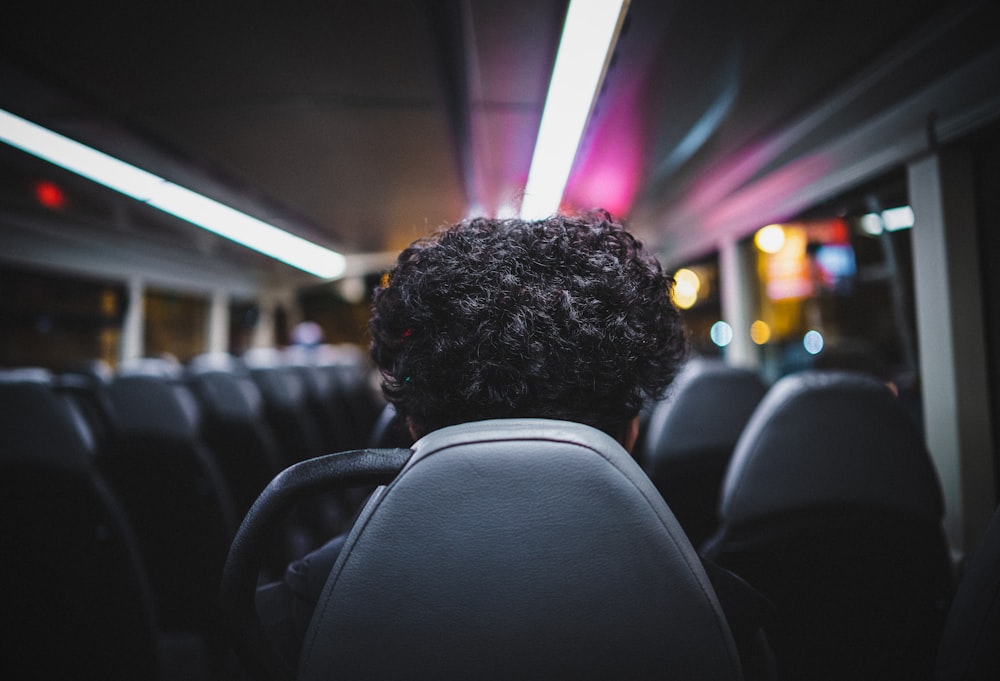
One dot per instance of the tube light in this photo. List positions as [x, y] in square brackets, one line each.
[588, 39]
[170, 198]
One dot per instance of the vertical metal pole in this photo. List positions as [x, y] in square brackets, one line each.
[132, 344]
[218, 322]
[737, 303]
[263, 333]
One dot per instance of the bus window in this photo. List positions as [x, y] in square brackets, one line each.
[696, 293]
[49, 320]
[174, 324]
[835, 288]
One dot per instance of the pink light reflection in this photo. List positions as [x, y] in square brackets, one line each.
[777, 189]
[608, 167]
[727, 178]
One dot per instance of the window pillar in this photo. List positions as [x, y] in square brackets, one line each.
[951, 334]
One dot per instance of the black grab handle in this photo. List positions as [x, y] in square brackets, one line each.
[239, 577]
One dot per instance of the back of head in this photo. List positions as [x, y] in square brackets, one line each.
[565, 318]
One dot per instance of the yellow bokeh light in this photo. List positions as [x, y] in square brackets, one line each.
[770, 239]
[686, 287]
[760, 332]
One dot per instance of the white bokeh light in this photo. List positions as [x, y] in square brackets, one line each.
[813, 342]
[721, 334]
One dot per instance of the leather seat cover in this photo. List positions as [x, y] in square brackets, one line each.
[518, 548]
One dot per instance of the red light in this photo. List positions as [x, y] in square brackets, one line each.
[50, 195]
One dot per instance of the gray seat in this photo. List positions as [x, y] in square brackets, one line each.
[515, 548]
[519, 548]
[831, 508]
[691, 436]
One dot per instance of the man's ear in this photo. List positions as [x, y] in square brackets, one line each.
[410, 427]
[631, 434]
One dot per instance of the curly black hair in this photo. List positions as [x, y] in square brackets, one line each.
[566, 318]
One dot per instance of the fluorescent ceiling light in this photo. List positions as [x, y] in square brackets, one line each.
[170, 198]
[588, 39]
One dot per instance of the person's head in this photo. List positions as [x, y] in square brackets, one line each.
[565, 318]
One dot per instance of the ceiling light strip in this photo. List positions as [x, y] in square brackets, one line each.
[169, 197]
[587, 42]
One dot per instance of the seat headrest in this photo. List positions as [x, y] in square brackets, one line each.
[211, 362]
[99, 371]
[160, 367]
[26, 375]
[40, 427]
[263, 358]
[824, 439]
[284, 387]
[707, 408]
[154, 405]
[229, 396]
[518, 548]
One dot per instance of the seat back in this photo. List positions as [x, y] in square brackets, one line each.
[286, 406]
[356, 395]
[234, 427]
[175, 493]
[520, 548]
[390, 430]
[77, 600]
[86, 387]
[298, 429]
[831, 507]
[338, 394]
[691, 436]
[970, 644]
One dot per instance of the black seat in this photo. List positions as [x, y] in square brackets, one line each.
[175, 493]
[356, 394]
[286, 404]
[85, 384]
[234, 425]
[831, 507]
[235, 429]
[77, 602]
[970, 644]
[389, 430]
[299, 432]
[338, 394]
[691, 436]
[521, 548]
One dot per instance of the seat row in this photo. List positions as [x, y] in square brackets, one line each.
[537, 549]
[819, 492]
[155, 465]
[121, 494]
